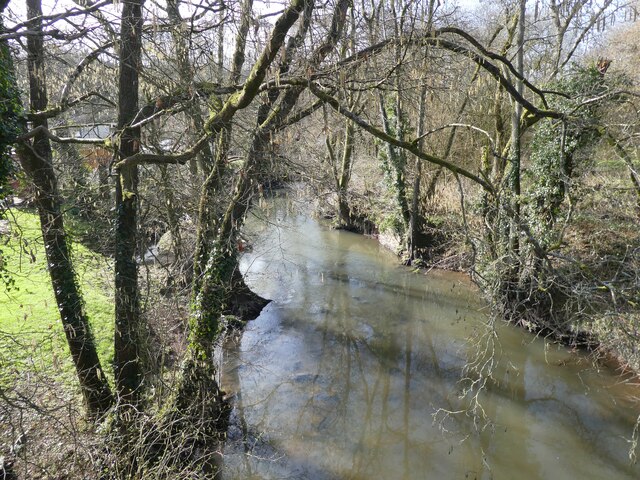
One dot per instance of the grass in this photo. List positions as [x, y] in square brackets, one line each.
[31, 334]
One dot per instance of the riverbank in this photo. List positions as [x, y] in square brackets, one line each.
[597, 268]
[376, 355]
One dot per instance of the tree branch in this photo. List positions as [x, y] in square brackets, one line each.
[64, 95]
[42, 130]
[14, 32]
[58, 109]
[239, 100]
[434, 38]
[409, 146]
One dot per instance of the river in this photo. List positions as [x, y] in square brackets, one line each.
[350, 372]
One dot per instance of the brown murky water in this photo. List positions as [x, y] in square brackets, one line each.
[343, 374]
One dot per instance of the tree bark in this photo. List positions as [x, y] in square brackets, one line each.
[209, 213]
[198, 401]
[345, 176]
[179, 34]
[414, 219]
[215, 261]
[516, 133]
[128, 362]
[36, 160]
[396, 157]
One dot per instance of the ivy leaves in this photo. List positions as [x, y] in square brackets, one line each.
[10, 116]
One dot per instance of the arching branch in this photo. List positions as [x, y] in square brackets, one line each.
[434, 38]
[408, 146]
[237, 101]
[58, 109]
[64, 95]
[17, 30]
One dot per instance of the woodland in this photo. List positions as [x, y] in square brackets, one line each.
[495, 138]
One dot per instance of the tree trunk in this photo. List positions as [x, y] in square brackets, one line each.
[128, 333]
[215, 261]
[396, 159]
[179, 34]
[516, 134]
[414, 220]
[344, 211]
[36, 160]
[218, 233]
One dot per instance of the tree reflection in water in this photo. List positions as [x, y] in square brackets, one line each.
[341, 374]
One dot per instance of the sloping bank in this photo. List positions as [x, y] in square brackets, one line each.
[578, 308]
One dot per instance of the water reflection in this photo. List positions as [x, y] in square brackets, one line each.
[340, 376]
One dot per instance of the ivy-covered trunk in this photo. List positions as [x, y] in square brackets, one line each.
[10, 117]
[415, 223]
[395, 162]
[218, 286]
[198, 398]
[193, 419]
[36, 160]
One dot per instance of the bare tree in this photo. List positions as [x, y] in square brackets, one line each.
[36, 159]
[128, 334]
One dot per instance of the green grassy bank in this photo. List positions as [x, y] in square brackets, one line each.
[31, 334]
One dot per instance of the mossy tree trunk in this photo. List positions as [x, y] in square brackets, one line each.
[215, 259]
[195, 414]
[516, 136]
[493, 166]
[396, 158]
[273, 114]
[415, 223]
[36, 160]
[212, 192]
[392, 117]
[341, 170]
[218, 228]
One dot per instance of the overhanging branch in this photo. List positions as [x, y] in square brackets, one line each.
[434, 38]
[58, 109]
[408, 146]
[239, 100]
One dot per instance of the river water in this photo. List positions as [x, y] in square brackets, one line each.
[350, 372]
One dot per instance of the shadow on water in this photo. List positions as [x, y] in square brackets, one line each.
[340, 376]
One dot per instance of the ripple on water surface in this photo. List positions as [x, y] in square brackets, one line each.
[341, 375]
